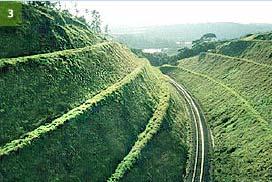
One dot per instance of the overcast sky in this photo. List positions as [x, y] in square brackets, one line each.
[140, 13]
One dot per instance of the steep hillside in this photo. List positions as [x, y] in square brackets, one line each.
[93, 113]
[89, 141]
[256, 50]
[94, 135]
[238, 74]
[44, 30]
[164, 158]
[236, 97]
[39, 88]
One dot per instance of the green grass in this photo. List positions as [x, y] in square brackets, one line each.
[249, 81]
[89, 141]
[37, 89]
[164, 158]
[242, 149]
[256, 50]
[263, 36]
[89, 146]
[230, 58]
[144, 138]
[73, 107]
[44, 30]
[72, 114]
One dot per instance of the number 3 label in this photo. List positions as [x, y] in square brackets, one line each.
[10, 13]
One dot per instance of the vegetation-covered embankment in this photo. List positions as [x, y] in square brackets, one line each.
[151, 129]
[44, 30]
[165, 157]
[250, 80]
[73, 108]
[237, 109]
[110, 125]
[255, 50]
[37, 89]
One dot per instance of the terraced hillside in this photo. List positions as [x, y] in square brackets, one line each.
[44, 30]
[236, 96]
[95, 113]
[164, 157]
[39, 88]
[255, 50]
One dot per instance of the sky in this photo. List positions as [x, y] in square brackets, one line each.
[146, 13]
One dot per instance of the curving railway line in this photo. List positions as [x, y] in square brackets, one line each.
[199, 168]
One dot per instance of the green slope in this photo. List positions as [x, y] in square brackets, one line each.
[44, 30]
[249, 80]
[236, 98]
[90, 145]
[144, 137]
[262, 36]
[74, 108]
[89, 141]
[36, 89]
[164, 158]
[256, 50]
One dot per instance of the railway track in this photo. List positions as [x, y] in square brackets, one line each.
[199, 168]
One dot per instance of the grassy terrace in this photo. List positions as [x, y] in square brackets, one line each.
[76, 107]
[37, 89]
[250, 80]
[160, 151]
[165, 156]
[219, 56]
[72, 114]
[242, 137]
[144, 138]
[255, 50]
[110, 125]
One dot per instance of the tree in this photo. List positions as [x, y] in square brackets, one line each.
[87, 11]
[205, 44]
[76, 9]
[42, 3]
[208, 36]
[96, 21]
[106, 29]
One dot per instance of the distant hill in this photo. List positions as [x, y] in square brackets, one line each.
[168, 35]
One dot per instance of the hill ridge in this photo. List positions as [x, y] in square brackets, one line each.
[251, 81]
[56, 83]
[45, 30]
[240, 59]
[231, 90]
[21, 59]
[258, 51]
[74, 104]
